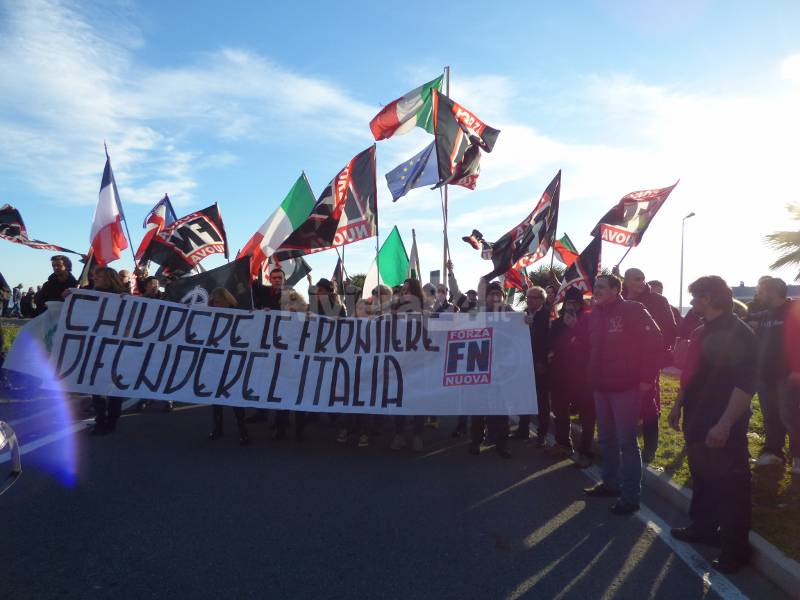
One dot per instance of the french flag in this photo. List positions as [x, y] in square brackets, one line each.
[107, 238]
[159, 218]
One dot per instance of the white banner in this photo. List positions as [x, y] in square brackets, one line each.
[411, 364]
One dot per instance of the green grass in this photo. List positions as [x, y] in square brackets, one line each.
[9, 333]
[776, 498]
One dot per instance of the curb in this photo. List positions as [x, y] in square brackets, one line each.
[768, 560]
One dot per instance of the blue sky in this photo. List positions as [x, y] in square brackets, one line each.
[229, 105]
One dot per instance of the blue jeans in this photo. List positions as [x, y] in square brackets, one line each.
[617, 420]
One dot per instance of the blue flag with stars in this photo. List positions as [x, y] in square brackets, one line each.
[420, 170]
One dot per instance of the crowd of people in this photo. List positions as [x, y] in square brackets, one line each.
[600, 360]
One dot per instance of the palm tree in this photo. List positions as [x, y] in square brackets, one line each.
[786, 242]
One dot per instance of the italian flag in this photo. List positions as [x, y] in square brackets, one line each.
[393, 263]
[291, 213]
[565, 250]
[411, 110]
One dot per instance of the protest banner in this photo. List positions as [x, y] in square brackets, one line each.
[410, 364]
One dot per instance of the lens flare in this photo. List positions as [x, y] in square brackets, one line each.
[43, 415]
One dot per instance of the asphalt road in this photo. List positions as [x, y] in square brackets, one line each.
[158, 511]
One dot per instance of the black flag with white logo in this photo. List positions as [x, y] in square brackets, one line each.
[190, 239]
[234, 277]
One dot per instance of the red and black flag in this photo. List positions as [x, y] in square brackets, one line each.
[626, 223]
[565, 250]
[581, 274]
[190, 239]
[161, 216]
[530, 240]
[12, 229]
[346, 212]
[460, 137]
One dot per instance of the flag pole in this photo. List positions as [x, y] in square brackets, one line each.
[624, 255]
[119, 206]
[446, 247]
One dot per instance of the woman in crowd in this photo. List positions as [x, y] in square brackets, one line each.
[150, 288]
[222, 298]
[107, 408]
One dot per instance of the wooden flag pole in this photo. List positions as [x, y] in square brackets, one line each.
[446, 246]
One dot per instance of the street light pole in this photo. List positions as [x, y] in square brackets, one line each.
[683, 235]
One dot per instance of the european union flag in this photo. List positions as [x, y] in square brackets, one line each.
[422, 169]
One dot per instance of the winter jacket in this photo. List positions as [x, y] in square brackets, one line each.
[772, 362]
[53, 290]
[540, 335]
[626, 346]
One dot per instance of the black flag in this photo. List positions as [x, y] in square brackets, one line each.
[530, 240]
[12, 228]
[234, 277]
[180, 247]
[460, 136]
[582, 273]
[626, 223]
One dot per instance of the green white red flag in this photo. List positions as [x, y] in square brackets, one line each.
[565, 250]
[290, 215]
[410, 110]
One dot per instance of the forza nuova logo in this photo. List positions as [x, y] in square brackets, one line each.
[468, 357]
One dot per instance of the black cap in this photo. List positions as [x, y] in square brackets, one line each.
[495, 286]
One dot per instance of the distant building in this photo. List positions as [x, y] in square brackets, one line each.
[745, 293]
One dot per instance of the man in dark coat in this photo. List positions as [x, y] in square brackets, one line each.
[717, 386]
[537, 316]
[635, 288]
[57, 284]
[625, 350]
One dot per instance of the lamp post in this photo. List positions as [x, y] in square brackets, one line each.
[683, 234]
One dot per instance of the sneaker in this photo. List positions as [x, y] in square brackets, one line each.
[398, 442]
[796, 465]
[768, 459]
[457, 433]
[244, 440]
[601, 491]
[168, 405]
[432, 423]
[363, 440]
[416, 444]
[623, 507]
[341, 436]
[215, 435]
[693, 535]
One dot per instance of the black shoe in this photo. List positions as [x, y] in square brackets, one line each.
[280, 434]
[540, 442]
[215, 435]
[167, 407]
[299, 437]
[99, 430]
[726, 564]
[520, 434]
[503, 453]
[694, 535]
[457, 433]
[244, 440]
[474, 449]
[601, 491]
[623, 507]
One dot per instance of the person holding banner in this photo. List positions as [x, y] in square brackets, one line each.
[107, 409]
[222, 298]
[291, 301]
[411, 300]
[495, 427]
[57, 284]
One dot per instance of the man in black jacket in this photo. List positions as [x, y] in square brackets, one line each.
[625, 349]
[58, 283]
[537, 316]
[717, 385]
[773, 368]
[635, 288]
